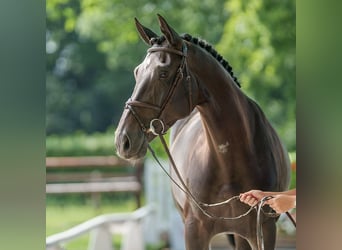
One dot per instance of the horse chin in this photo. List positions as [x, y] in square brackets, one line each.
[139, 154]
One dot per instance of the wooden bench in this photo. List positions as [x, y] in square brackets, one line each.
[94, 175]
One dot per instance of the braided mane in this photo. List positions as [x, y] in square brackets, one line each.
[203, 44]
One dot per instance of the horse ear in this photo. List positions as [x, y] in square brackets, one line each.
[171, 36]
[145, 33]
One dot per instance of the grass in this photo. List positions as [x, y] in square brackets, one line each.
[62, 217]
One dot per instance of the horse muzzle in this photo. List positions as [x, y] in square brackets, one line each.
[130, 146]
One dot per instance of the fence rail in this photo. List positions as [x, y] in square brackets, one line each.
[102, 228]
[93, 181]
[86, 161]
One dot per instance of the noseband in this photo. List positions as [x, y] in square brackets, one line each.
[130, 104]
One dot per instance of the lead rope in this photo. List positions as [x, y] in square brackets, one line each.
[291, 219]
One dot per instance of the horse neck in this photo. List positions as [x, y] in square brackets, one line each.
[224, 109]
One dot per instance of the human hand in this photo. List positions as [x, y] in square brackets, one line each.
[252, 197]
[282, 203]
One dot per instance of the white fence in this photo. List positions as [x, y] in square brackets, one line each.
[145, 225]
[166, 219]
[102, 228]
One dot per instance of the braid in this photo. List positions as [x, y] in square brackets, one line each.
[203, 44]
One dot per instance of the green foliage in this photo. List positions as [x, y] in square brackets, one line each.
[92, 48]
[293, 180]
[262, 35]
[81, 144]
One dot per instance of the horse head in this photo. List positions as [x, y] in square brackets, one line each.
[164, 91]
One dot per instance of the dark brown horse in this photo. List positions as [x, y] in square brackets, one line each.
[221, 141]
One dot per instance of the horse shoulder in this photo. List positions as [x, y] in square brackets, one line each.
[187, 137]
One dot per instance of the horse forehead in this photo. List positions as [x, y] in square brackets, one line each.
[158, 58]
[149, 60]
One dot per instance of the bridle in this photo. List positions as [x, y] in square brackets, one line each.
[130, 104]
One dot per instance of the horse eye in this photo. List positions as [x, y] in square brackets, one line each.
[163, 74]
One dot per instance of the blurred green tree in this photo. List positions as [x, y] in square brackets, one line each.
[92, 48]
[259, 41]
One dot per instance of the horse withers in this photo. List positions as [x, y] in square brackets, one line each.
[220, 140]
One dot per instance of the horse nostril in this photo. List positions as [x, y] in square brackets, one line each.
[126, 143]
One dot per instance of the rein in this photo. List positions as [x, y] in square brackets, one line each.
[183, 187]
